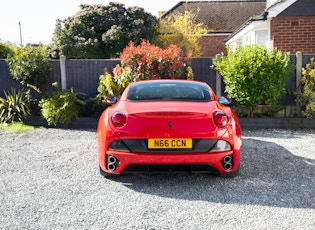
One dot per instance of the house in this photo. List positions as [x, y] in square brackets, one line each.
[222, 17]
[288, 25]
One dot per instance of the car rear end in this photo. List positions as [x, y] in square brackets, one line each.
[168, 135]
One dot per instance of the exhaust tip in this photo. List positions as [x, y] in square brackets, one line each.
[227, 166]
[227, 162]
[112, 163]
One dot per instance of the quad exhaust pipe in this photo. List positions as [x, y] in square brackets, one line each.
[112, 163]
[227, 162]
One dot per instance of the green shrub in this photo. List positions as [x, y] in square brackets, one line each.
[254, 75]
[92, 107]
[107, 85]
[60, 107]
[306, 96]
[30, 65]
[6, 49]
[145, 62]
[15, 106]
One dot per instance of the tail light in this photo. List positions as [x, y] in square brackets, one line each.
[220, 119]
[119, 119]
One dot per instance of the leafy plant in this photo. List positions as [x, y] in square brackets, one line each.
[145, 62]
[92, 107]
[30, 65]
[107, 85]
[14, 106]
[306, 96]
[182, 30]
[60, 107]
[6, 49]
[254, 75]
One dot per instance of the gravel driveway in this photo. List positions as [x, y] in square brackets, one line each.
[50, 180]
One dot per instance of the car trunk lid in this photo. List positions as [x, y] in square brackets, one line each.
[170, 119]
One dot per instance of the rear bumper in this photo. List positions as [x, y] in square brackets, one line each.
[194, 162]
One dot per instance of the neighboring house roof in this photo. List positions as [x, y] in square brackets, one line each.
[282, 8]
[300, 7]
[221, 16]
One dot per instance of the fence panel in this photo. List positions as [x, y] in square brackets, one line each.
[6, 80]
[306, 58]
[83, 75]
[55, 74]
[203, 72]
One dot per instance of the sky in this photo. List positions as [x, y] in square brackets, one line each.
[37, 18]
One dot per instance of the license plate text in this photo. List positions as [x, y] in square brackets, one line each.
[169, 143]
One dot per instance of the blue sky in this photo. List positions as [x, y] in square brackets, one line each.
[38, 17]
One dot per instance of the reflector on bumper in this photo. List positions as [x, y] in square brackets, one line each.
[221, 146]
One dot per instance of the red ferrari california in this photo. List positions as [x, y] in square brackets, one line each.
[169, 126]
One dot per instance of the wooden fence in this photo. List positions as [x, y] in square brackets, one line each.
[83, 75]
[6, 80]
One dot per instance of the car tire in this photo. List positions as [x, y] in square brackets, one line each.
[231, 174]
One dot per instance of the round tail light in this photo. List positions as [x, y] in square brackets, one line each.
[220, 119]
[119, 119]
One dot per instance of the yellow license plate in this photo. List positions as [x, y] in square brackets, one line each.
[170, 143]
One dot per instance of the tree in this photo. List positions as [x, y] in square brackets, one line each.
[98, 31]
[254, 75]
[182, 30]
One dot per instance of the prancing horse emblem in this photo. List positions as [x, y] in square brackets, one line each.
[170, 124]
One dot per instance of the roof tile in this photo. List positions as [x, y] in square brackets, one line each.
[221, 16]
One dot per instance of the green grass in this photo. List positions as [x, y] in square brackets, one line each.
[16, 127]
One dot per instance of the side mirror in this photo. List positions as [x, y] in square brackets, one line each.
[225, 100]
[110, 100]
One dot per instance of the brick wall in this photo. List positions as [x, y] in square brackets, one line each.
[212, 45]
[293, 33]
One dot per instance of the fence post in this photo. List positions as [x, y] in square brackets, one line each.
[63, 72]
[298, 75]
[218, 79]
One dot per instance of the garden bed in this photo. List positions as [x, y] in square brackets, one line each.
[80, 123]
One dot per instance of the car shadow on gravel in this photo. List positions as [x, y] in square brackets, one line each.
[270, 176]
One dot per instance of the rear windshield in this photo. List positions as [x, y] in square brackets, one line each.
[178, 91]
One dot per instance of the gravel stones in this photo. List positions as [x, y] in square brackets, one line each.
[49, 179]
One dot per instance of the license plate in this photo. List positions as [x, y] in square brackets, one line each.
[170, 143]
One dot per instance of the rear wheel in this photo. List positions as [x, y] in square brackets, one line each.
[230, 174]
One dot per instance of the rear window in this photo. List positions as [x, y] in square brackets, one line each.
[175, 91]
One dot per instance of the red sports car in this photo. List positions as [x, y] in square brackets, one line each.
[169, 126]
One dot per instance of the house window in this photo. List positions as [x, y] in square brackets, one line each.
[262, 37]
[246, 40]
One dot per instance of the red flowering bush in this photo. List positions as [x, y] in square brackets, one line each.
[145, 62]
